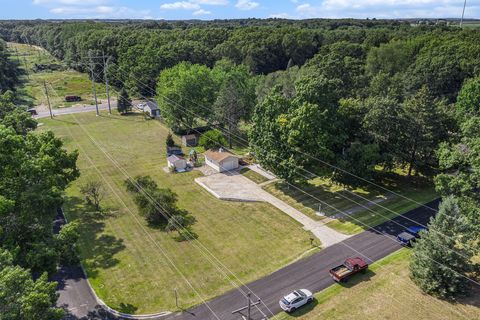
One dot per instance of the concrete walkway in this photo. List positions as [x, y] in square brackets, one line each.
[236, 187]
[261, 171]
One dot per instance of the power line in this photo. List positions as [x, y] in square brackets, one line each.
[395, 240]
[138, 222]
[183, 110]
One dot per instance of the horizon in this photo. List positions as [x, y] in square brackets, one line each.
[209, 10]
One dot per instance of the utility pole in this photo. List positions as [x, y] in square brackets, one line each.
[463, 13]
[105, 66]
[176, 298]
[93, 83]
[248, 307]
[48, 98]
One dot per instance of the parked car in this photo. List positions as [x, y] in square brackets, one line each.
[295, 300]
[351, 266]
[410, 235]
[73, 98]
[32, 111]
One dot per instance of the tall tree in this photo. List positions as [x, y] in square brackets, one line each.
[384, 124]
[32, 191]
[468, 100]
[185, 93]
[124, 104]
[156, 204]
[427, 126]
[234, 101]
[440, 263]
[21, 297]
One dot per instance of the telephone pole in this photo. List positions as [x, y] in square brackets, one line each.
[105, 66]
[48, 98]
[248, 308]
[93, 84]
[463, 13]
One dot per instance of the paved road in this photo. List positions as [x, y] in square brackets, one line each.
[76, 109]
[310, 273]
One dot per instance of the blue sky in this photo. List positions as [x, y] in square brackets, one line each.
[224, 9]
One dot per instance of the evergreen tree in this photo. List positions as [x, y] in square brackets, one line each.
[439, 261]
[124, 104]
[169, 140]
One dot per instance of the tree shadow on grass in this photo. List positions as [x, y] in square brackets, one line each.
[472, 300]
[131, 116]
[357, 278]
[126, 308]
[98, 250]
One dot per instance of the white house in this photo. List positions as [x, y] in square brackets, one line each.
[177, 162]
[221, 160]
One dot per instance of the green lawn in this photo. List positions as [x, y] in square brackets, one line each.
[59, 83]
[125, 259]
[252, 175]
[385, 292]
[337, 199]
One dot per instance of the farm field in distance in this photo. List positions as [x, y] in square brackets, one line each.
[127, 269]
[59, 82]
[370, 205]
[384, 292]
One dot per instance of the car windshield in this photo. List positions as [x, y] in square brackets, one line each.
[285, 301]
[300, 293]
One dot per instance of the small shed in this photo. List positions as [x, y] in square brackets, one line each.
[152, 109]
[221, 160]
[190, 140]
[177, 162]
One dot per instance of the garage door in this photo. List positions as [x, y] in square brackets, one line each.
[229, 165]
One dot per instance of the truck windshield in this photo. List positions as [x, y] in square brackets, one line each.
[348, 265]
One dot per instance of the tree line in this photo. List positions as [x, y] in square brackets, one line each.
[35, 169]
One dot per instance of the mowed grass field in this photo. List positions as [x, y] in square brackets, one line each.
[59, 82]
[385, 292]
[135, 268]
[369, 205]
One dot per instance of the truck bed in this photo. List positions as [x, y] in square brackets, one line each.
[341, 271]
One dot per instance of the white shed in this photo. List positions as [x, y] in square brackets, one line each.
[152, 109]
[221, 160]
[176, 162]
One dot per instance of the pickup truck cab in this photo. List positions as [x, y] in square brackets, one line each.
[351, 266]
[410, 235]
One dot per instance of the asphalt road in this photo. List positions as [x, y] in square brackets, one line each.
[76, 109]
[309, 273]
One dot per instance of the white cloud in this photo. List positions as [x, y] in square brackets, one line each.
[383, 9]
[70, 2]
[186, 5]
[246, 4]
[102, 12]
[201, 12]
[211, 2]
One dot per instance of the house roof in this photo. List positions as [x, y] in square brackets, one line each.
[189, 135]
[218, 155]
[152, 105]
[174, 158]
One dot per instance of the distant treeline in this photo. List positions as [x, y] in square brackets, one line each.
[140, 50]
